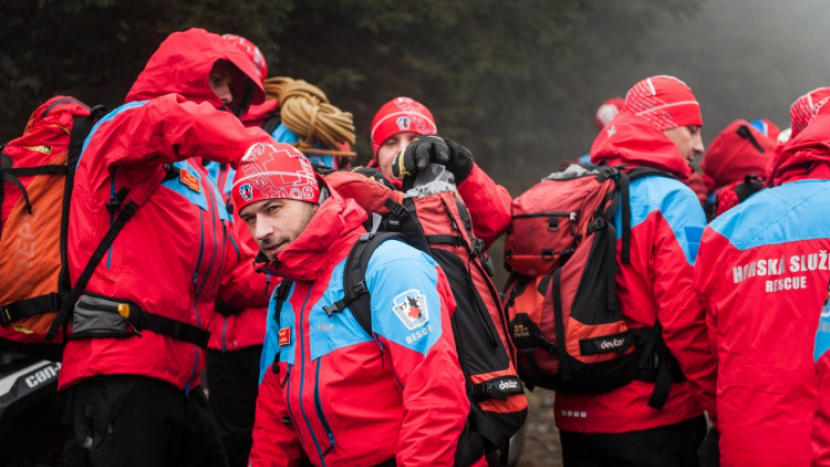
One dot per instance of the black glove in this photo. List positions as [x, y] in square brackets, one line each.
[461, 161]
[420, 153]
[433, 149]
[709, 452]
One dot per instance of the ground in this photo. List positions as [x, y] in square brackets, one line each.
[541, 446]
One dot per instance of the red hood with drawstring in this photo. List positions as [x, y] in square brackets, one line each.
[172, 258]
[182, 65]
[666, 223]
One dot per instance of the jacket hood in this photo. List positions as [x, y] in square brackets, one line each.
[805, 156]
[630, 140]
[329, 234]
[182, 65]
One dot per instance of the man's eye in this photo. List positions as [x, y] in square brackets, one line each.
[273, 208]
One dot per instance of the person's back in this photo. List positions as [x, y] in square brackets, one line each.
[142, 319]
[654, 288]
[762, 274]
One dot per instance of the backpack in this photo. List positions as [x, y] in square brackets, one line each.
[433, 219]
[561, 248]
[731, 195]
[37, 171]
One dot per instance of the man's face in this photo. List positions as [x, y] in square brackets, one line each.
[389, 149]
[275, 223]
[221, 77]
[688, 140]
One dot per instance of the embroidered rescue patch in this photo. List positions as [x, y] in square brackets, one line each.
[189, 180]
[246, 192]
[411, 308]
[285, 336]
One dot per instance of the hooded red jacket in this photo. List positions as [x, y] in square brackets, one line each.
[666, 224]
[343, 396]
[170, 258]
[762, 274]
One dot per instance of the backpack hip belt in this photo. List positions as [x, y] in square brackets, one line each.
[101, 316]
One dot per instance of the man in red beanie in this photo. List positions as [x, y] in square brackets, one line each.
[132, 363]
[659, 128]
[334, 392]
[762, 275]
[236, 335]
[735, 165]
[403, 121]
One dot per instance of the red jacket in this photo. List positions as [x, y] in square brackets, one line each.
[347, 398]
[245, 327]
[170, 258]
[666, 224]
[762, 274]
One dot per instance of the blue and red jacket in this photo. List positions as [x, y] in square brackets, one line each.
[666, 223]
[341, 395]
[171, 257]
[763, 274]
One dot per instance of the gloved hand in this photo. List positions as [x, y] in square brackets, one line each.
[433, 149]
[461, 160]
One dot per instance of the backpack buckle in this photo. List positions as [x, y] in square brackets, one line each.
[5, 316]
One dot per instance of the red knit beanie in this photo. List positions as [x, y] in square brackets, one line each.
[401, 115]
[665, 102]
[804, 108]
[252, 51]
[608, 110]
[274, 171]
[739, 150]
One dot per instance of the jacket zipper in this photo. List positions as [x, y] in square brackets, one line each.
[196, 291]
[301, 332]
[319, 404]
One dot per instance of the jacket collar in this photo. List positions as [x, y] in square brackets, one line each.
[327, 238]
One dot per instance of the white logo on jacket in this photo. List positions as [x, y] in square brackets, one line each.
[411, 308]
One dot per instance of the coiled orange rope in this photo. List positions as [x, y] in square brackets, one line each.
[306, 111]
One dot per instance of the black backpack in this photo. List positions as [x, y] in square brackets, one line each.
[438, 224]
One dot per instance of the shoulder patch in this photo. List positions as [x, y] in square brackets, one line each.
[411, 308]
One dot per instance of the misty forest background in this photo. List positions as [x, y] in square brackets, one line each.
[517, 81]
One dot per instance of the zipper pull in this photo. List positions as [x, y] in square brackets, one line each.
[267, 284]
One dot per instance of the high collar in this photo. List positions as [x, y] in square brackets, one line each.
[632, 141]
[328, 237]
[805, 156]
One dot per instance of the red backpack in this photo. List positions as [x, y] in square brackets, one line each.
[36, 174]
[560, 300]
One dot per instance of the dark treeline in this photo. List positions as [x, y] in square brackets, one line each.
[517, 81]
[491, 71]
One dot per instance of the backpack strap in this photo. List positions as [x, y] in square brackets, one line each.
[356, 293]
[752, 184]
[29, 307]
[281, 297]
[126, 213]
[271, 123]
[656, 363]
